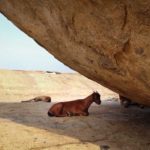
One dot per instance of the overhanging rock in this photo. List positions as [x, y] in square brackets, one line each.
[107, 41]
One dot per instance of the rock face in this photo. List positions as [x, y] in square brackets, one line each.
[107, 41]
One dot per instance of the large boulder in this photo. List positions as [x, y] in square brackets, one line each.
[106, 40]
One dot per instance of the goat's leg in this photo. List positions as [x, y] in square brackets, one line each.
[85, 113]
[58, 115]
[61, 115]
[82, 113]
[72, 114]
[61, 112]
[65, 114]
[57, 111]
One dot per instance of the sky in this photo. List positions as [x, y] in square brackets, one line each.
[20, 52]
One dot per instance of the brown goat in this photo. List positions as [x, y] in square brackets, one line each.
[39, 98]
[126, 102]
[74, 108]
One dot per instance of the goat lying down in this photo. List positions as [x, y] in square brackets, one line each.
[74, 108]
[126, 102]
[39, 98]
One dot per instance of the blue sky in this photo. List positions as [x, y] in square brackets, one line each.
[20, 52]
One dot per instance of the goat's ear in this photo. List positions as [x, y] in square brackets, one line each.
[97, 92]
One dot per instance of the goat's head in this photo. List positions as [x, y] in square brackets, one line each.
[96, 98]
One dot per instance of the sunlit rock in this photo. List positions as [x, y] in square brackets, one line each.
[107, 41]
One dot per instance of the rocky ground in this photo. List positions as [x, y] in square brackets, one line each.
[26, 126]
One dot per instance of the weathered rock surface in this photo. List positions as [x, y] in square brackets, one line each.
[107, 41]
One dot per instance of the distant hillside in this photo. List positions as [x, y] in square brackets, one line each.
[20, 85]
